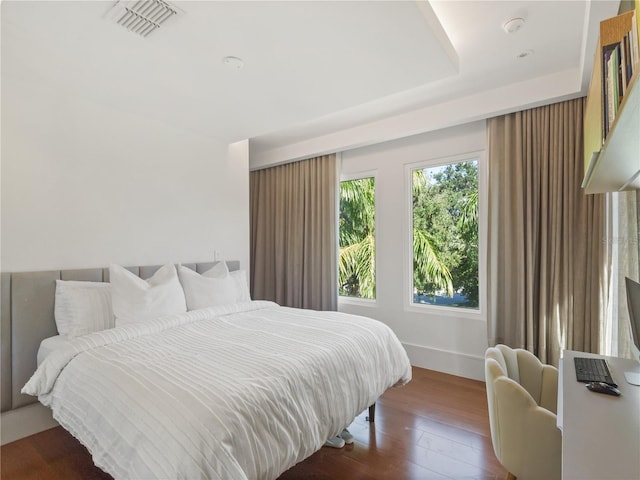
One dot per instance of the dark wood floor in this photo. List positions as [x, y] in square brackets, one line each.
[433, 428]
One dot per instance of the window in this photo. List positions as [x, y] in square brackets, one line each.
[356, 260]
[445, 235]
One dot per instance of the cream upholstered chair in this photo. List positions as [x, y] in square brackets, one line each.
[522, 396]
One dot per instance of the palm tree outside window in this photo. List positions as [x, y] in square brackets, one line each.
[356, 261]
[445, 235]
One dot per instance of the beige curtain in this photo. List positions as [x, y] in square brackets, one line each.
[546, 253]
[623, 248]
[293, 234]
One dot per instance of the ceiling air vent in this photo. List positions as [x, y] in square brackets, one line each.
[142, 16]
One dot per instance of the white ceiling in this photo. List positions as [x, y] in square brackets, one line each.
[310, 68]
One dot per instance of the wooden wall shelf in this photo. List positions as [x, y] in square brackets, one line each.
[612, 165]
[616, 166]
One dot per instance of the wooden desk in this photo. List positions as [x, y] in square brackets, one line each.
[600, 433]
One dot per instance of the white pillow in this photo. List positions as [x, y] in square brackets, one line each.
[207, 290]
[242, 285]
[241, 282]
[137, 300]
[82, 307]
[219, 270]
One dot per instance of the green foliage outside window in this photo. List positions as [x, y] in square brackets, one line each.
[445, 236]
[445, 217]
[357, 266]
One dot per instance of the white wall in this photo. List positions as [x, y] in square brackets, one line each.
[448, 340]
[84, 185]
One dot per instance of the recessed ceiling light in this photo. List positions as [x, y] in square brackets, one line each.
[233, 63]
[513, 25]
[524, 54]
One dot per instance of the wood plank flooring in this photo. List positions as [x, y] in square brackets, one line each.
[436, 427]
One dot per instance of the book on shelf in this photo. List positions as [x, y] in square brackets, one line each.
[634, 42]
[620, 61]
[610, 86]
[622, 70]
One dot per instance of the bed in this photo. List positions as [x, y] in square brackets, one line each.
[237, 390]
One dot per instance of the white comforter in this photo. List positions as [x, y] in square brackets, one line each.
[238, 392]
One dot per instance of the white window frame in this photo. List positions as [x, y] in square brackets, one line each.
[345, 177]
[409, 305]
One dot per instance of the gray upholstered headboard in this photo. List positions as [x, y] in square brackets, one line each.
[27, 319]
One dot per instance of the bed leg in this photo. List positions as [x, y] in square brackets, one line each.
[372, 413]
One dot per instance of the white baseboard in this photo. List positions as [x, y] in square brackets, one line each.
[447, 361]
[25, 421]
